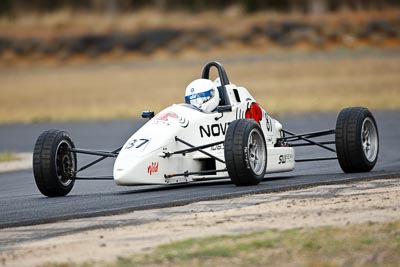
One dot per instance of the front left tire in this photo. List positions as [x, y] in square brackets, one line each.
[54, 166]
[245, 152]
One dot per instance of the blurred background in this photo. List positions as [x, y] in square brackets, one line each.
[98, 59]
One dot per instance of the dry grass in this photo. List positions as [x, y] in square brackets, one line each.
[280, 84]
[368, 244]
[8, 156]
[357, 245]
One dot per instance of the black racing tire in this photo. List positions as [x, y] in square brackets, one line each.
[245, 152]
[357, 140]
[53, 167]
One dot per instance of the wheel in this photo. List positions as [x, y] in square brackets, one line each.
[245, 152]
[53, 166]
[357, 140]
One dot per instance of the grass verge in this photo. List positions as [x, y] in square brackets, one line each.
[367, 244]
[8, 156]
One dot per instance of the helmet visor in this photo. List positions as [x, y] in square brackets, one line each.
[200, 98]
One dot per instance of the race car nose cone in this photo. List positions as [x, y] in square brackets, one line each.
[130, 176]
[133, 170]
[118, 173]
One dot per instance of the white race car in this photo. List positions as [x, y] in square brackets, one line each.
[182, 143]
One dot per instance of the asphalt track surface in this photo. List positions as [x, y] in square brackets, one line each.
[22, 204]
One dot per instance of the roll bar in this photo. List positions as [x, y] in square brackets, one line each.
[224, 99]
[221, 72]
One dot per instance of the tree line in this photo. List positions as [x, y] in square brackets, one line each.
[12, 7]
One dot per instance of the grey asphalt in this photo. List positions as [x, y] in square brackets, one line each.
[22, 204]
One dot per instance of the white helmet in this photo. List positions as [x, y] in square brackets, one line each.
[203, 94]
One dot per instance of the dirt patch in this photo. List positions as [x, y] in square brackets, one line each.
[337, 205]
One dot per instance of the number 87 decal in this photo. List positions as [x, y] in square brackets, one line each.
[137, 144]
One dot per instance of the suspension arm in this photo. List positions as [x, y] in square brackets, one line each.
[316, 159]
[308, 140]
[309, 144]
[193, 149]
[93, 152]
[187, 173]
[114, 152]
[307, 135]
[199, 149]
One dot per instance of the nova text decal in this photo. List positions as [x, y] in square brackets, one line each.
[215, 129]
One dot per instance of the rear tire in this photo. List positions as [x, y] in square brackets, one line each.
[357, 140]
[53, 167]
[245, 152]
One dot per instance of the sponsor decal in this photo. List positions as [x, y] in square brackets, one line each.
[285, 158]
[164, 116]
[268, 122]
[152, 168]
[246, 157]
[183, 122]
[217, 147]
[215, 129]
[167, 116]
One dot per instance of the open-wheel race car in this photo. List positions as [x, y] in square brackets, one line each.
[219, 132]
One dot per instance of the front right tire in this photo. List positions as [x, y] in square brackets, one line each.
[54, 166]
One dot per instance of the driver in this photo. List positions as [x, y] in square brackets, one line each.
[203, 94]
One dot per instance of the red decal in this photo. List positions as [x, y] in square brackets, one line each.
[254, 112]
[164, 116]
[152, 168]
